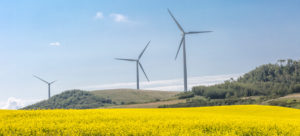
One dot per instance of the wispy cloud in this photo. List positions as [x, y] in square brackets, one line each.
[168, 85]
[14, 103]
[116, 17]
[99, 15]
[55, 44]
[119, 17]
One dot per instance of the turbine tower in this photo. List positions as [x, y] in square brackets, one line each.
[182, 43]
[138, 65]
[48, 83]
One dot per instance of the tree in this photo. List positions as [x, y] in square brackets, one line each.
[281, 61]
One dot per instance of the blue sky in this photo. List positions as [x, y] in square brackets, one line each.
[75, 42]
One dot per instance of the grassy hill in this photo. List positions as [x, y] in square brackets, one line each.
[291, 100]
[78, 99]
[132, 96]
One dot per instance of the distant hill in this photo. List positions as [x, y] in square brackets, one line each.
[74, 99]
[78, 99]
[132, 96]
[266, 84]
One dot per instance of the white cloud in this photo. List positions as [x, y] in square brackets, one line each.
[119, 17]
[169, 85]
[14, 103]
[99, 15]
[55, 44]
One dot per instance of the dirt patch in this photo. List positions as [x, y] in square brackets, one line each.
[295, 96]
[149, 105]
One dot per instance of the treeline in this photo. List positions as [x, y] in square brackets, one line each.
[73, 99]
[277, 79]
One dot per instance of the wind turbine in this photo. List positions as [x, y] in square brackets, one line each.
[182, 43]
[138, 65]
[48, 83]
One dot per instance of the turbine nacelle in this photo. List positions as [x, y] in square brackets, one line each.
[48, 83]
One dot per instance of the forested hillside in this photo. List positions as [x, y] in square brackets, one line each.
[74, 99]
[272, 79]
[267, 81]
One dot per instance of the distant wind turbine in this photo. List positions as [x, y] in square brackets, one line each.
[48, 83]
[182, 42]
[138, 64]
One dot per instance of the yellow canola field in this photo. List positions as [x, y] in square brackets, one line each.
[250, 120]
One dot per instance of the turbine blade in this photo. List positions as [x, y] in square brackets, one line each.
[125, 59]
[41, 79]
[179, 47]
[53, 82]
[144, 50]
[197, 32]
[181, 29]
[143, 71]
